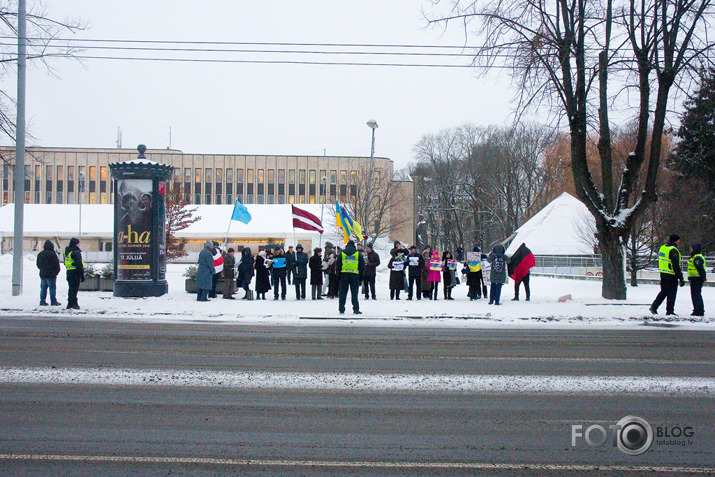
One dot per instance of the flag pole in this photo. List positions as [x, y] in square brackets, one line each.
[229, 228]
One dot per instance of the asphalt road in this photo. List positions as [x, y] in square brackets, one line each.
[79, 429]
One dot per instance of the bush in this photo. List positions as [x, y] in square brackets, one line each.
[108, 271]
[89, 271]
[191, 272]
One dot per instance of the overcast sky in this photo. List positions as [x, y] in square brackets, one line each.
[242, 108]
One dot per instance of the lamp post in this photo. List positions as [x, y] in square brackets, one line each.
[324, 185]
[81, 194]
[372, 124]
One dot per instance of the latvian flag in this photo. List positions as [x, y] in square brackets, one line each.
[303, 219]
[520, 263]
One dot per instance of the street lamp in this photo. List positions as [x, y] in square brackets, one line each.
[372, 124]
[324, 186]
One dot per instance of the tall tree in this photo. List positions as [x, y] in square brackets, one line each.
[567, 54]
[178, 217]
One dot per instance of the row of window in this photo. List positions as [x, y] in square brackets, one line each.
[62, 184]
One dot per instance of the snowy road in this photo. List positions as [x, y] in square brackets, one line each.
[91, 397]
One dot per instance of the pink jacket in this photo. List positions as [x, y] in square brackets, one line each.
[435, 262]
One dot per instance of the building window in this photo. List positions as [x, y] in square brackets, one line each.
[80, 181]
[219, 185]
[281, 186]
[239, 184]
[207, 184]
[197, 186]
[92, 180]
[333, 184]
[271, 186]
[291, 186]
[102, 197]
[48, 197]
[229, 186]
[343, 184]
[38, 183]
[103, 181]
[187, 184]
[311, 186]
[92, 197]
[353, 183]
[60, 183]
[261, 185]
[249, 186]
[301, 186]
[48, 184]
[70, 197]
[322, 180]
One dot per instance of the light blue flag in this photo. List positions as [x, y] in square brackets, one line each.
[240, 213]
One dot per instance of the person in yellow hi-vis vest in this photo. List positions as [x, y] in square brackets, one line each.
[351, 269]
[670, 275]
[697, 277]
[75, 272]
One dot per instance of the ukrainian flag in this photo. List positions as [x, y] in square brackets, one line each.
[343, 221]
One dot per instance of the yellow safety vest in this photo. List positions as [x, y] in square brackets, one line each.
[692, 271]
[69, 262]
[664, 263]
[350, 263]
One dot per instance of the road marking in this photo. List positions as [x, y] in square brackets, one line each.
[350, 464]
[470, 384]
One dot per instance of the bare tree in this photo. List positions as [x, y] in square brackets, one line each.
[179, 215]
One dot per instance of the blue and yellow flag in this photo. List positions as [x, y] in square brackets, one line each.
[342, 220]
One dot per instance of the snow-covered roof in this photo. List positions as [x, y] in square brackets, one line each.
[62, 220]
[557, 229]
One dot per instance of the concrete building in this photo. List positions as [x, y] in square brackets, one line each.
[79, 175]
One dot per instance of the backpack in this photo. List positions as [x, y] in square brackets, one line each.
[498, 265]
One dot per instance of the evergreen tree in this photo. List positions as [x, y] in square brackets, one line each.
[695, 153]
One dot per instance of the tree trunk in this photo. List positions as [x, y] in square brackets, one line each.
[634, 273]
[614, 280]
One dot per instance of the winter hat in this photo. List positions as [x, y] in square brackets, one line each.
[413, 248]
[476, 249]
[231, 250]
[674, 238]
[396, 243]
[208, 244]
[435, 254]
[74, 241]
[299, 247]
[697, 247]
[350, 242]
[48, 245]
[262, 253]
[317, 250]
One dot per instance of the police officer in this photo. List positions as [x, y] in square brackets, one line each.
[350, 268]
[670, 275]
[696, 277]
[75, 272]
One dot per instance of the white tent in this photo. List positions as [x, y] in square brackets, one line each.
[563, 227]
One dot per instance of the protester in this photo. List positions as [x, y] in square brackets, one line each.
[371, 263]
[397, 273]
[279, 267]
[228, 274]
[475, 279]
[435, 274]
[426, 288]
[498, 261]
[351, 268]
[205, 272]
[415, 265]
[449, 274]
[670, 275]
[49, 265]
[300, 272]
[263, 278]
[245, 272]
[397, 246]
[290, 262]
[218, 268]
[333, 278]
[697, 277]
[316, 274]
[75, 272]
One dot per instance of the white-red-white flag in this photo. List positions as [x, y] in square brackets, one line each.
[302, 219]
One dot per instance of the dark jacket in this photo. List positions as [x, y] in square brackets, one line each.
[263, 278]
[205, 270]
[48, 262]
[316, 269]
[397, 277]
[373, 261]
[498, 259]
[76, 254]
[245, 268]
[300, 265]
[290, 260]
[349, 250]
[228, 263]
[416, 270]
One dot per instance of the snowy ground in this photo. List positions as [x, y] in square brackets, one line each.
[586, 309]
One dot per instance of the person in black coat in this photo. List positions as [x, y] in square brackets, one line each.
[397, 266]
[228, 274]
[49, 265]
[316, 274]
[263, 276]
[245, 271]
[372, 261]
[300, 272]
[75, 272]
[415, 263]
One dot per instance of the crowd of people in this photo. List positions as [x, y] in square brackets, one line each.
[353, 269]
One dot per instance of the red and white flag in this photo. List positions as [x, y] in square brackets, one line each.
[303, 219]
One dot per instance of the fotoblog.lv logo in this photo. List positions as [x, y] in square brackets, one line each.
[632, 435]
